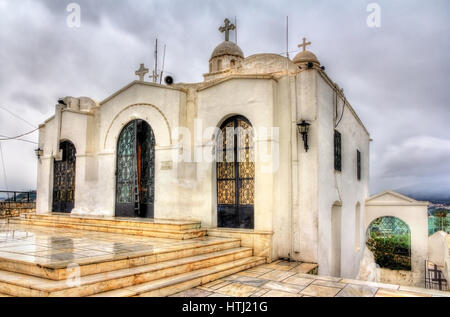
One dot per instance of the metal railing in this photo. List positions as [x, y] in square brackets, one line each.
[434, 278]
[15, 203]
[11, 196]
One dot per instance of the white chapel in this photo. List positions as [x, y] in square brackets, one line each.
[265, 148]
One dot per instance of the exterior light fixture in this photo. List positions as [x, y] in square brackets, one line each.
[303, 129]
[39, 153]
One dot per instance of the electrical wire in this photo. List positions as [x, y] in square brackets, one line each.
[342, 112]
[18, 136]
[22, 140]
[18, 117]
[4, 168]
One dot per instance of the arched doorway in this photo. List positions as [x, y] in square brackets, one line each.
[389, 239]
[336, 237]
[135, 172]
[64, 179]
[235, 171]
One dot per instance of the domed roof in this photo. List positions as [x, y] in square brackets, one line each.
[305, 57]
[227, 48]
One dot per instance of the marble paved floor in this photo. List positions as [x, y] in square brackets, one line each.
[57, 246]
[288, 279]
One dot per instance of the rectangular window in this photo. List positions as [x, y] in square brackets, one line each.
[337, 151]
[358, 164]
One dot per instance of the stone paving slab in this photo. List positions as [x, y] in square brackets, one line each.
[290, 279]
[54, 247]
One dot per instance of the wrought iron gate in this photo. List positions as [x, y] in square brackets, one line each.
[235, 174]
[64, 179]
[135, 173]
[434, 278]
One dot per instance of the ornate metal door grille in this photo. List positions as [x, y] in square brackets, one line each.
[235, 174]
[337, 151]
[64, 179]
[358, 165]
[135, 174]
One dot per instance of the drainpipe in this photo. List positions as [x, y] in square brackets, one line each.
[58, 117]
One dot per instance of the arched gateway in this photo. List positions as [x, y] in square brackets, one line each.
[64, 179]
[135, 172]
[235, 174]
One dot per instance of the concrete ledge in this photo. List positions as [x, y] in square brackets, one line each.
[260, 241]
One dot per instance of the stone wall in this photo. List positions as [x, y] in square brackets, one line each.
[15, 209]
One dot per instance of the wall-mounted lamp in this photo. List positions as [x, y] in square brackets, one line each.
[39, 153]
[303, 129]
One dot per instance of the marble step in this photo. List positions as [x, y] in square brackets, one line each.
[120, 221]
[57, 270]
[16, 284]
[184, 234]
[181, 282]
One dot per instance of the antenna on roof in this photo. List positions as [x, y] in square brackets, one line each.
[155, 74]
[163, 64]
[235, 30]
[287, 36]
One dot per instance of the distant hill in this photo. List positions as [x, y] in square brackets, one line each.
[19, 197]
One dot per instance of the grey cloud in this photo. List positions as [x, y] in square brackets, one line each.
[396, 77]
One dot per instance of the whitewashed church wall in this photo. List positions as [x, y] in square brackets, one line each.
[44, 166]
[253, 99]
[305, 204]
[282, 196]
[74, 128]
[340, 187]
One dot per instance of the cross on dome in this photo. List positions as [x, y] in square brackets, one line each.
[304, 44]
[227, 28]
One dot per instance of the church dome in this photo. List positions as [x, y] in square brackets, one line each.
[305, 57]
[227, 48]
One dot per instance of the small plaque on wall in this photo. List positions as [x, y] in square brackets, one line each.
[166, 165]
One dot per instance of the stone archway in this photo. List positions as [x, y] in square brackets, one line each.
[389, 239]
[135, 171]
[64, 172]
[414, 214]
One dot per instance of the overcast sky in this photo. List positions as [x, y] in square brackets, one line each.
[395, 76]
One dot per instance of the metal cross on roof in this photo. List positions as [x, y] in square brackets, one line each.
[304, 44]
[227, 28]
[141, 72]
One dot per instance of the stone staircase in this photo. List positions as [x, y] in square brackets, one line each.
[158, 228]
[161, 271]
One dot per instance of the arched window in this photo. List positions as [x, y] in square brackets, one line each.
[389, 239]
[64, 179]
[357, 227]
[336, 237]
[219, 64]
[135, 172]
[235, 170]
[232, 63]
